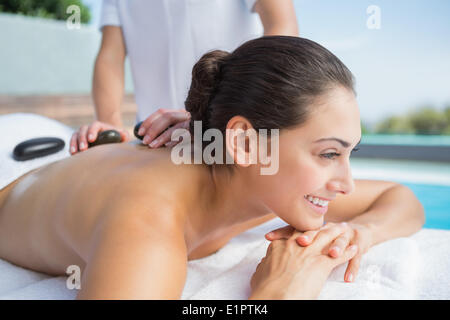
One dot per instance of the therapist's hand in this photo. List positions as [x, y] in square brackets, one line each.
[158, 127]
[89, 133]
[355, 233]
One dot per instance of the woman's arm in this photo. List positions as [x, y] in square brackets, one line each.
[376, 211]
[388, 209]
[135, 258]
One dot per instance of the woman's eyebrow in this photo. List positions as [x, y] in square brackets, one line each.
[345, 144]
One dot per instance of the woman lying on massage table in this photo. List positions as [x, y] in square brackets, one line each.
[131, 218]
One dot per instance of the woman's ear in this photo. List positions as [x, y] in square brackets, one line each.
[241, 141]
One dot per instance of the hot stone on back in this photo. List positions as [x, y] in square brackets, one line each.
[107, 136]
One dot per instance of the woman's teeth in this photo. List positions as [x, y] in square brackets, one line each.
[317, 201]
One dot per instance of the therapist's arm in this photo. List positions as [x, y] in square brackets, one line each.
[278, 17]
[108, 82]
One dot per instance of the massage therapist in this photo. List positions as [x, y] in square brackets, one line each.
[163, 39]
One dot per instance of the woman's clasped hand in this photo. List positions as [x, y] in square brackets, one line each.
[297, 264]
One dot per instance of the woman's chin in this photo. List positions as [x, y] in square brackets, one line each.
[304, 226]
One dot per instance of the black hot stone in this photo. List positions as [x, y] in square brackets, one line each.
[137, 126]
[38, 147]
[136, 129]
[107, 136]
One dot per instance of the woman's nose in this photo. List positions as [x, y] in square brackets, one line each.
[343, 182]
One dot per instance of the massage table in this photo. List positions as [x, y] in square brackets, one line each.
[414, 267]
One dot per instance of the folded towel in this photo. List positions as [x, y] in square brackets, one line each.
[388, 271]
[404, 268]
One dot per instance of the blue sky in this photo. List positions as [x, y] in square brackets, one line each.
[398, 68]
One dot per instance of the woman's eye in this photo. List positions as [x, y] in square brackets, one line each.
[355, 149]
[330, 155]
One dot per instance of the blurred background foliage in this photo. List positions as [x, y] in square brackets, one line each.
[49, 9]
[425, 121]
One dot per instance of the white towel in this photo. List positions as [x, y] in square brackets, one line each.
[18, 127]
[404, 268]
[388, 271]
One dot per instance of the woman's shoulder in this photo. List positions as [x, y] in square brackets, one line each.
[156, 171]
[145, 199]
[140, 177]
[155, 183]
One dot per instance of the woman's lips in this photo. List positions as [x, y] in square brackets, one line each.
[319, 210]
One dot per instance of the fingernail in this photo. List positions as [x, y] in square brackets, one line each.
[141, 131]
[145, 140]
[305, 238]
[270, 234]
[154, 142]
[72, 149]
[91, 137]
[82, 145]
[350, 277]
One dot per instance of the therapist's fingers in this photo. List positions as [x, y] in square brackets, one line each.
[165, 138]
[89, 133]
[93, 131]
[96, 127]
[82, 141]
[74, 143]
[162, 123]
[154, 125]
[124, 135]
[148, 122]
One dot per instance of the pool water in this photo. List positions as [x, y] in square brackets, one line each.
[436, 202]
[429, 181]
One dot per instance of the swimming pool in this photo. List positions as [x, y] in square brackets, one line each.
[436, 201]
[429, 181]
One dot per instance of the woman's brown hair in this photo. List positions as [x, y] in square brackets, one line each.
[271, 81]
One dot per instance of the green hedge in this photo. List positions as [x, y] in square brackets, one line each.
[51, 9]
[425, 121]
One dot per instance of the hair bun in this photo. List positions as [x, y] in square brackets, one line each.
[206, 75]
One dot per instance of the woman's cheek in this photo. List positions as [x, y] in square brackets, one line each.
[305, 219]
[292, 209]
[314, 180]
[284, 192]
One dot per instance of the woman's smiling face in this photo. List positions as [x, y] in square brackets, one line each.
[314, 160]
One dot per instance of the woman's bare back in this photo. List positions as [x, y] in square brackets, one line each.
[48, 216]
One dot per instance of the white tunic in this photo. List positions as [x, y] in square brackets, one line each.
[165, 38]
